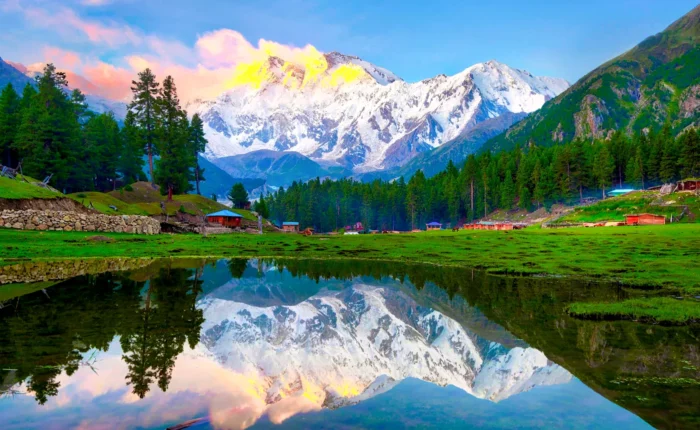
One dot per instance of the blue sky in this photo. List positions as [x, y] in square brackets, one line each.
[414, 39]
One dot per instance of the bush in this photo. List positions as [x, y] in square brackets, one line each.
[82, 195]
[182, 209]
[129, 188]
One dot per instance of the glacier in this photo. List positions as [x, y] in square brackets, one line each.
[373, 122]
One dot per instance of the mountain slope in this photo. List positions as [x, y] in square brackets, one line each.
[10, 75]
[655, 82]
[350, 113]
[277, 168]
[457, 150]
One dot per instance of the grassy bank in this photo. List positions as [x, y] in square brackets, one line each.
[652, 260]
[653, 310]
[19, 189]
[643, 256]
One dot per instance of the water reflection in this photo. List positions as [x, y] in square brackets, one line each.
[234, 343]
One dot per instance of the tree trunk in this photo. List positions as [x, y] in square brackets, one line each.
[471, 186]
[580, 193]
[196, 176]
[170, 193]
[150, 163]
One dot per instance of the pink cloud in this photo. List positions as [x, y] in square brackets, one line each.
[201, 71]
[112, 82]
[62, 58]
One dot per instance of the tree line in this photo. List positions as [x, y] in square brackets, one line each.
[525, 177]
[51, 131]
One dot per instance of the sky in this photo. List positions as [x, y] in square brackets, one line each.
[105, 42]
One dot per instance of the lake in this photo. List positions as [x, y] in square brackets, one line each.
[280, 344]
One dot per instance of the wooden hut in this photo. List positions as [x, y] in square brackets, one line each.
[225, 218]
[644, 219]
[433, 226]
[290, 227]
[689, 185]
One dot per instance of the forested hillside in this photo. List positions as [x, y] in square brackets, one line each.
[654, 83]
[526, 178]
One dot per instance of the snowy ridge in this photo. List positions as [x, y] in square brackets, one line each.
[341, 347]
[367, 119]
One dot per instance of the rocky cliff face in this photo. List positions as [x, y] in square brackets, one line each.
[340, 347]
[353, 114]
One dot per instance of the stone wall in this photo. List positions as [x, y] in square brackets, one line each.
[72, 221]
[64, 269]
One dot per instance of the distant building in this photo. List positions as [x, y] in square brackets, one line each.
[225, 218]
[433, 226]
[290, 227]
[689, 185]
[489, 225]
[645, 219]
[354, 227]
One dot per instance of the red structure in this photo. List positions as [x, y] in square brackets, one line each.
[494, 226]
[689, 185]
[225, 218]
[645, 219]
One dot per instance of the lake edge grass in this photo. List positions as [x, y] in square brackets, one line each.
[623, 255]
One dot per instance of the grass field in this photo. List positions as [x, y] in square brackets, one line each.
[660, 256]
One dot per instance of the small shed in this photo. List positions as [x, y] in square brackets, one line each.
[225, 218]
[689, 185]
[644, 219]
[433, 226]
[290, 227]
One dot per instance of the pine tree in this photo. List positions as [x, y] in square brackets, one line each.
[198, 143]
[144, 107]
[470, 173]
[603, 168]
[690, 153]
[104, 145]
[261, 208]
[131, 159]
[49, 134]
[173, 168]
[238, 196]
[634, 172]
[415, 196]
[9, 124]
[507, 191]
[668, 165]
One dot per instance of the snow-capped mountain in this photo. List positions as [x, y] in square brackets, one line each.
[341, 110]
[337, 348]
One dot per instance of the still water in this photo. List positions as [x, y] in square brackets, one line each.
[335, 344]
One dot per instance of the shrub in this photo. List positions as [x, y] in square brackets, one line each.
[129, 188]
[182, 209]
[82, 195]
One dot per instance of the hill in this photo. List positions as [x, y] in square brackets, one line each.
[143, 199]
[655, 82]
[682, 207]
[147, 199]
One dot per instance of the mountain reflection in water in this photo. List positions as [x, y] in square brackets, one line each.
[234, 344]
